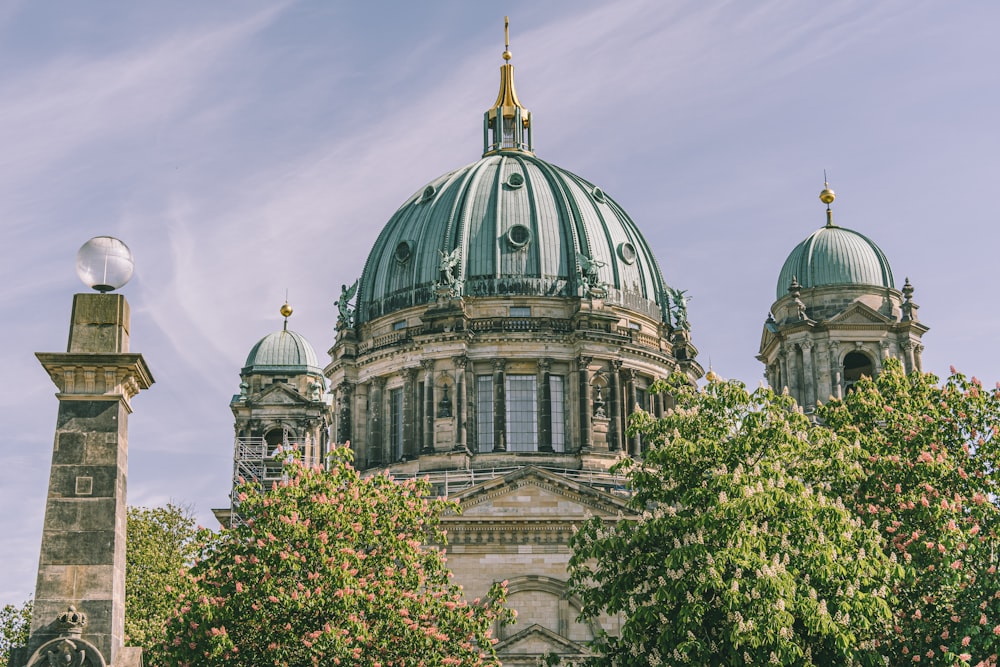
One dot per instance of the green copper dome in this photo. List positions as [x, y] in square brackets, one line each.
[835, 256]
[514, 225]
[283, 352]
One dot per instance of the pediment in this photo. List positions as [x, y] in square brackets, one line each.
[768, 337]
[536, 493]
[536, 640]
[278, 394]
[859, 313]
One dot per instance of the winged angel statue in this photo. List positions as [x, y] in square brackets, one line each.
[588, 273]
[345, 314]
[447, 266]
[679, 302]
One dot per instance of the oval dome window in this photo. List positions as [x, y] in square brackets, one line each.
[518, 236]
[627, 252]
[403, 252]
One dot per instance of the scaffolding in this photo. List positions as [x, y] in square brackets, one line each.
[263, 464]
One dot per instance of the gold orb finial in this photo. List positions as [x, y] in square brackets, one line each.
[827, 195]
[286, 310]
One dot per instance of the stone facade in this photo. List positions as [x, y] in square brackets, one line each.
[819, 341]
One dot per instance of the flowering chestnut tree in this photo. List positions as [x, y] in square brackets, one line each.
[328, 568]
[930, 485]
[742, 553]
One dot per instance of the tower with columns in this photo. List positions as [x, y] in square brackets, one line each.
[837, 317]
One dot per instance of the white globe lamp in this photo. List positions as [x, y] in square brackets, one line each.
[104, 263]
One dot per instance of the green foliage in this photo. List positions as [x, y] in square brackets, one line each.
[742, 553]
[930, 487]
[160, 544]
[328, 568]
[15, 623]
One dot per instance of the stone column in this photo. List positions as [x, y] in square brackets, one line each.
[411, 424]
[635, 446]
[359, 422]
[836, 370]
[82, 558]
[615, 437]
[658, 409]
[783, 366]
[462, 409]
[583, 364]
[428, 439]
[499, 406]
[545, 406]
[917, 357]
[808, 375]
[344, 396]
[794, 387]
[909, 361]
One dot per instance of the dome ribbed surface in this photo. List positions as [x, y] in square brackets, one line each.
[835, 256]
[518, 224]
[284, 352]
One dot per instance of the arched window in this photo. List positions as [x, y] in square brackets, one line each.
[856, 364]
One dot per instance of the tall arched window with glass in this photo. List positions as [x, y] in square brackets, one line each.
[523, 413]
[396, 424]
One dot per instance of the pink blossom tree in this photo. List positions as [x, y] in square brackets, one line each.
[930, 487]
[328, 568]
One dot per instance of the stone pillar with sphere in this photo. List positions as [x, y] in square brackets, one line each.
[79, 607]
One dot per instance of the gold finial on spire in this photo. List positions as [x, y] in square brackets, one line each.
[506, 39]
[286, 311]
[827, 196]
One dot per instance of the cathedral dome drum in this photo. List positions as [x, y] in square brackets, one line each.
[509, 224]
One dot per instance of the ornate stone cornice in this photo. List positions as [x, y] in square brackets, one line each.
[84, 376]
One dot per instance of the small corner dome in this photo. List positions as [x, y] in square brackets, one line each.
[835, 256]
[283, 352]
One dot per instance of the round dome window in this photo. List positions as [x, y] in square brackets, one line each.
[598, 194]
[518, 236]
[627, 252]
[403, 252]
[515, 181]
[429, 193]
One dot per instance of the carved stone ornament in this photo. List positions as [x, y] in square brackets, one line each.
[72, 622]
[69, 650]
[65, 652]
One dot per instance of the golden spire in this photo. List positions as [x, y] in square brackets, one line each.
[506, 38]
[507, 124]
[827, 196]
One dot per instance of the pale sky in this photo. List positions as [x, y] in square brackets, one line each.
[245, 148]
